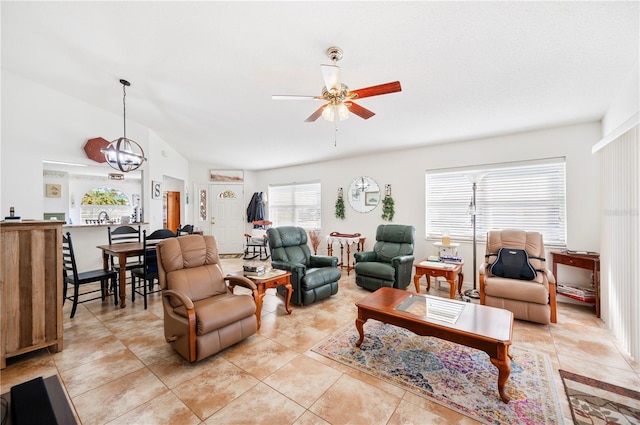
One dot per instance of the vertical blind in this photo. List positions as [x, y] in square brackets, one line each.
[296, 204]
[619, 163]
[525, 195]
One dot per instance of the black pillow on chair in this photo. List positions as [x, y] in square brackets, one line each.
[513, 264]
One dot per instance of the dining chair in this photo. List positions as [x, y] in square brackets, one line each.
[187, 229]
[124, 234]
[75, 278]
[143, 278]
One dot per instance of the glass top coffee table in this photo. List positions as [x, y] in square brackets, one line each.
[484, 328]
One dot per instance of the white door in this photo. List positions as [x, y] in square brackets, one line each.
[227, 217]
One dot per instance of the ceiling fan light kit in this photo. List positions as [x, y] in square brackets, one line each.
[338, 97]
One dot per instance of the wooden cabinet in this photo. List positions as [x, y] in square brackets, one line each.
[589, 262]
[31, 287]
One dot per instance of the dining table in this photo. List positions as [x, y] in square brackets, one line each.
[121, 251]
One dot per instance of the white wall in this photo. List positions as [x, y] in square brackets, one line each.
[170, 168]
[405, 171]
[40, 123]
[625, 104]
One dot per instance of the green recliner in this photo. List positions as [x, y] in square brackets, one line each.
[391, 261]
[313, 277]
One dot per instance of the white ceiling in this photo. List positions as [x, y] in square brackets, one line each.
[203, 73]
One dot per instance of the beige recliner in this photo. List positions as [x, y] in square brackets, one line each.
[532, 300]
[202, 316]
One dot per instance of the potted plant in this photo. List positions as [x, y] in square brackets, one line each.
[388, 210]
[340, 208]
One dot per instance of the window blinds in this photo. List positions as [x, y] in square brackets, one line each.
[528, 196]
[297, 204]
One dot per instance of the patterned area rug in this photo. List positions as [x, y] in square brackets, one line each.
[596, 402]
[457, 377]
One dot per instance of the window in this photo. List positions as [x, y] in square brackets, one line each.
[295, 204]
[104, 203]
[527, 195]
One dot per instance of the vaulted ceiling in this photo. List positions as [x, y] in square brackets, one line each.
[203, 73]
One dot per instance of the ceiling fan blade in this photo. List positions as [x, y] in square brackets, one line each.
[376, 90]
[294, 97]
[331, 75]
[316, 114]
[359, 110]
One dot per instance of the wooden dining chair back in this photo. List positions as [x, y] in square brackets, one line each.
[143, 278]
[71, 276]
[124, 234]
[187, 229]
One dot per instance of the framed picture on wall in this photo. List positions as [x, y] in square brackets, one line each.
[156, 189]
[232, 176]
[53, 190]
[371, 198]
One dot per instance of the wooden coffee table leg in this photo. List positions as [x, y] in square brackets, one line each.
[360, 328]
[504, 369]
[460, 280]
[288, 299]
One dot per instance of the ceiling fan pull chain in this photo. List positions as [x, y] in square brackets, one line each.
[335, 133]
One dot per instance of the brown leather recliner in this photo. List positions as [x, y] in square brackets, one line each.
[202, 316]
[532, 300]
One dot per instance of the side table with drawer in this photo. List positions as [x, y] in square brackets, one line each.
[583, 261]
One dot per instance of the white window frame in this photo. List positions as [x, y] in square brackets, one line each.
[527, 195]
[296, 204]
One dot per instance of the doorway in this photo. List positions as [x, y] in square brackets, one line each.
[172, 211]
[227, 217]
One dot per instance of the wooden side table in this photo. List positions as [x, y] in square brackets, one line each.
[439, 269]
[271, 279]
[589, 262]
[345, 239]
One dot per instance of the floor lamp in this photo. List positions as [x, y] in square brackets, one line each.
[474, 179]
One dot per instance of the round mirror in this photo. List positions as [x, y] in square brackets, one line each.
[364, 194]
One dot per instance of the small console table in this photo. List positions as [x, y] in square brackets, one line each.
[583, 261]
[345, 240]
[449, 271]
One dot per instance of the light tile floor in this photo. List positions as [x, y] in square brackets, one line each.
[117, 368]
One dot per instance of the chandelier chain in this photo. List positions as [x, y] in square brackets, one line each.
[124, 108]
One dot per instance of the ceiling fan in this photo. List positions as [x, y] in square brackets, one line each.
[339, 99]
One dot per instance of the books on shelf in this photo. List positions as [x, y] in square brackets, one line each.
[453, 259]
[579, 293]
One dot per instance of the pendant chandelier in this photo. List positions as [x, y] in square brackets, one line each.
[124, 154]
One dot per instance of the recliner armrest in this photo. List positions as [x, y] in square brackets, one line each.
[290, 267]
[323, 261]
[550, 277]
[365, 256]
[181, 296]
[403, 259]
[240, 280]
